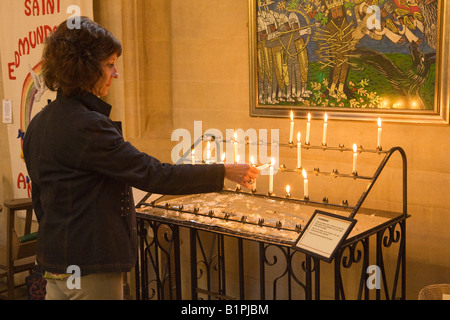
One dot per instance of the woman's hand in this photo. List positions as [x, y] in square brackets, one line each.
[244, 174]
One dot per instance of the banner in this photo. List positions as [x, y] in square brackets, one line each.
[25, 25]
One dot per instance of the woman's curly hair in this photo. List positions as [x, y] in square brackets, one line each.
[72, 57]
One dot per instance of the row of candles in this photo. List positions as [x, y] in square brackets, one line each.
[299, 154]
[325, 131]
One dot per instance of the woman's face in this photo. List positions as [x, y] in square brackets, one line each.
[110, 72]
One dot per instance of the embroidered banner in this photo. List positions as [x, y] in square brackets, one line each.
[25, 25]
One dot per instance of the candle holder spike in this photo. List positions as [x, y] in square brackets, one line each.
[279, 225]
[306, 198]
[325, 200]
[360, 149]
[341, 147]
[282, 168]
[345, 203]
[244, 219]
[260, 222]
[298, 228]
[324, 146]
[270, 194]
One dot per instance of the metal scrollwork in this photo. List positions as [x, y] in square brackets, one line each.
[393, 236]
[354, 255]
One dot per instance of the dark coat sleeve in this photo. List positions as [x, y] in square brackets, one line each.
[107, 153]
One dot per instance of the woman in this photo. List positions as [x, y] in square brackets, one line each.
[83, 171]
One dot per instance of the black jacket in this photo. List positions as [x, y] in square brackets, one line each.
[82, 172]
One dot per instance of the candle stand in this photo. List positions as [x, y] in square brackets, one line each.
[235, 224]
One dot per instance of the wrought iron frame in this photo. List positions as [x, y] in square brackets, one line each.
[159, 256]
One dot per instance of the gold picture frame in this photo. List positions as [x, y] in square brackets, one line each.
[284, 34]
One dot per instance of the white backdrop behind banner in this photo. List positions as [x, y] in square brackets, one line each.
[25, 25]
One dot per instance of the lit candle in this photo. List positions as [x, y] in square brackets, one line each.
[252, 161]
[305, 184]
[308, 130]
[355, 157]
[223, 157]
[291, 133]
[193, 157]
[299, 151]
[379, 133]
[271, 176]
[325, 128]
[236, 156]
[288, 191]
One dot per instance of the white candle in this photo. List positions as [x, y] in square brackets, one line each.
[291, 133]
[308, 130]
[271, 176]
[208, 153]
[299, 151]
[193, 157]
[355, 157]
[305, 184]
[238, 186]
[236, 156]
[264, 166]
[252, 161]
[379, 133]
[325, 128]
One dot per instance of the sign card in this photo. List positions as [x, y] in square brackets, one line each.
[324, 234]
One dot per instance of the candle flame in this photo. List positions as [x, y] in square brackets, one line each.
[235, 136]
[223, 157]
[305, 175]
[379, 122]
[252, 160]
[355, 148]
[298, 136]
[237, 159]
[326, 117]
[288, 189]
[309, 117]
[292, 116]
[193, 152]
[272, 162]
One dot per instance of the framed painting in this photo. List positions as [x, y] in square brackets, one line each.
[353, 59]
